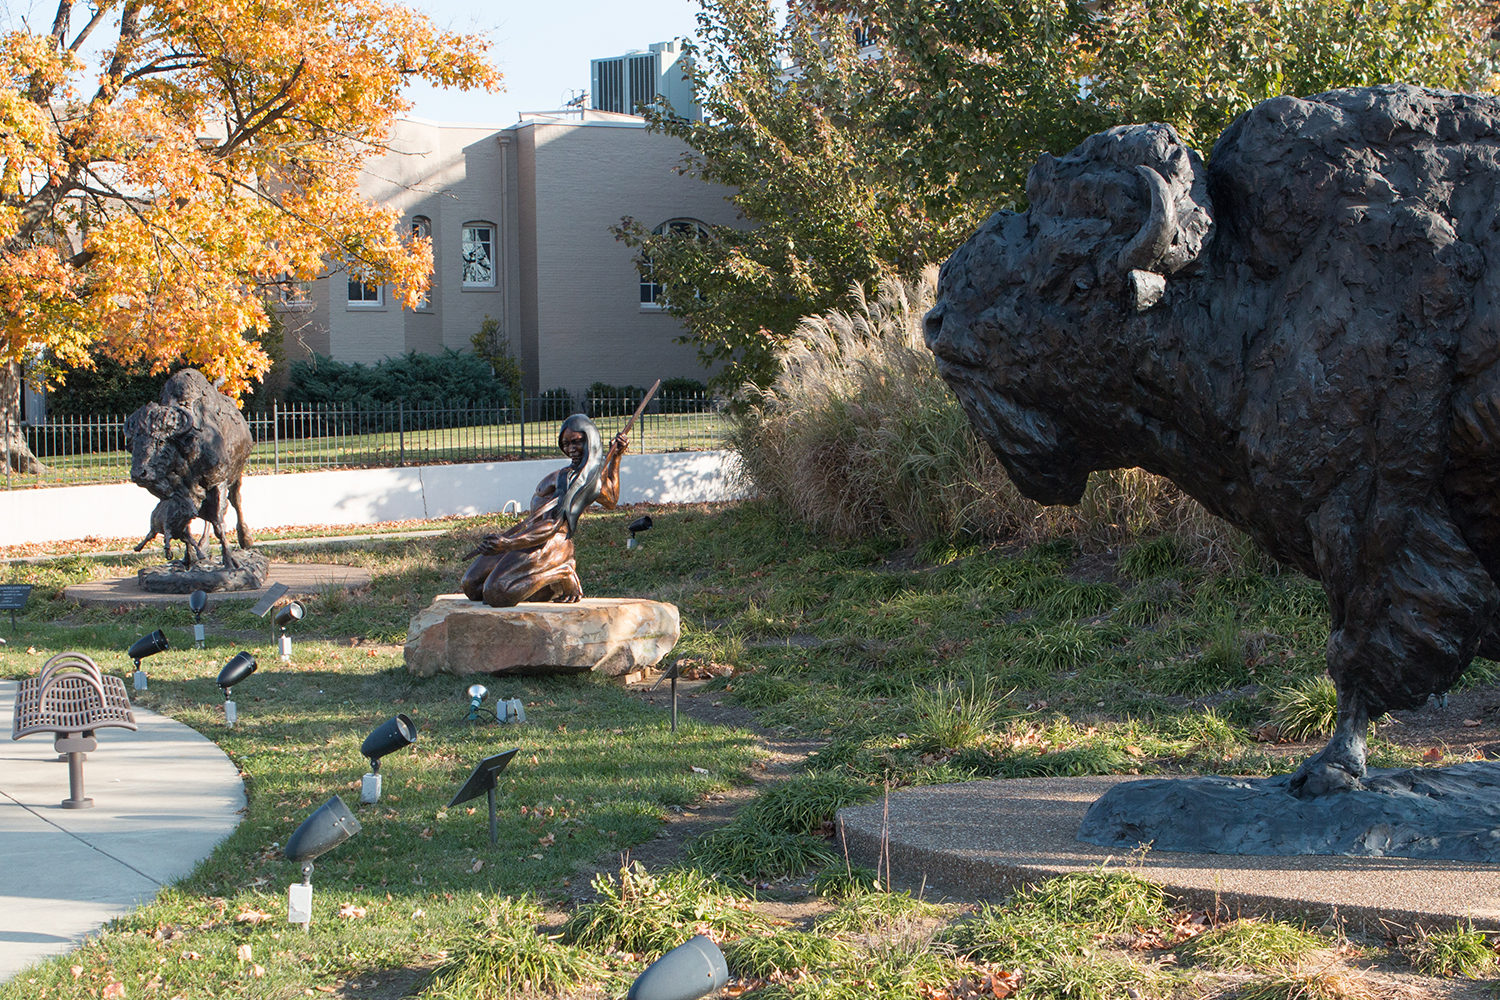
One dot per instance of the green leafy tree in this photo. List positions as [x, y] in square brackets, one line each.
[493, 347]
[848, 165]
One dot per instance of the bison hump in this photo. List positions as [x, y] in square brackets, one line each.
[1290, 170]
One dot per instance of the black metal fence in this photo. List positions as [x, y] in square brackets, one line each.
[302, 437]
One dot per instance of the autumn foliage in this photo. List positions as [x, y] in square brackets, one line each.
[152, 197]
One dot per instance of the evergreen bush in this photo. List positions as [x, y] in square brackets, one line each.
[433, 380]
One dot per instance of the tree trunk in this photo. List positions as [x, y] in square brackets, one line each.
[13, 449]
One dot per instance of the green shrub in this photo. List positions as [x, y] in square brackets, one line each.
[604, 400]
[554, 404]
[650, 915]
[414, 379]
[505, 956]
[493, 347]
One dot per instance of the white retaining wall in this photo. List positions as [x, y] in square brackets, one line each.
[363, 496]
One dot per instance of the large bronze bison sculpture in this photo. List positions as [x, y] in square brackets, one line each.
[189, 451]
[1301, 335]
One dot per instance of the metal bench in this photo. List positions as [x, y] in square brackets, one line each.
[71, 699]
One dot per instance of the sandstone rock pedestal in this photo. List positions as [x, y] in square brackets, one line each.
[609, 635]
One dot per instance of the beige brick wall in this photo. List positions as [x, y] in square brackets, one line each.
[566, 292]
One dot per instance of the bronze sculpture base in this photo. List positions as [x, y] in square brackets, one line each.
[1438, 814]
[173, 578]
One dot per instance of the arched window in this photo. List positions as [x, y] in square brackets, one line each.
[479, 255]
[652, 295]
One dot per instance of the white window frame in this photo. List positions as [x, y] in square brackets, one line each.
[364, 303]
[653, 298]
[465, 243]
[291, 294]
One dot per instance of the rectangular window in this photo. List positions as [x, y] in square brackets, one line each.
[479, 256]
[364, 295]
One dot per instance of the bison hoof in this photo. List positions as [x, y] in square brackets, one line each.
[1321, 777]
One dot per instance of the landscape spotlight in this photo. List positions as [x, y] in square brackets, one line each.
[642, 523]
[240, 666]
[508, 710]
[476, 695]
[691, 970]
[390, 737]
[293, 612]
[197, 601]
[325, 829]
[146, 645]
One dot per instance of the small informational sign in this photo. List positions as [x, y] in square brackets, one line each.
[269, 601]
[13, 597]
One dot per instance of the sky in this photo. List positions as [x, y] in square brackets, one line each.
[544, 51]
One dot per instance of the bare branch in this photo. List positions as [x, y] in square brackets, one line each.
[88, 29]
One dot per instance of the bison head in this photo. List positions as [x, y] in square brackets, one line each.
[1033, 311]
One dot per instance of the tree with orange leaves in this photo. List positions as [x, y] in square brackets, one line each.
[150, 203]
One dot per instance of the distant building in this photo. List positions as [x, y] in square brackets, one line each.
[519, 218]
[625, 84]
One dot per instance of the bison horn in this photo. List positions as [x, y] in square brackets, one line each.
[1150, 245]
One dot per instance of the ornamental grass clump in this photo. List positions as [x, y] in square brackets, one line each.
[858, 435]
[503, 955]
[1462, 951]
[1257, 945]
[649, 915]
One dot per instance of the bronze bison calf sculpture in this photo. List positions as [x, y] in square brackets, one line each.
[1301, 335]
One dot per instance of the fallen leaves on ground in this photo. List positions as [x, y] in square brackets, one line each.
[251, 916]
[1184, 925]
[351, 912]
[979, 982]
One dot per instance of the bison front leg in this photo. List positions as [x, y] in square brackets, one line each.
[1340, 765]
[1410, 601]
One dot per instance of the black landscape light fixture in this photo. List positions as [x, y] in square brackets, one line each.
[146, 645]
[325, 829]
[476, 696]
[691, 970]
[482, 782]
[197, 601]
[292, 612]
[240, 666]
[387, 739]
[642, 523]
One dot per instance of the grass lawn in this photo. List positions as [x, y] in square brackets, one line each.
[906, 666]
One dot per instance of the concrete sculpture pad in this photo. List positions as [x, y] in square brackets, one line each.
[980, 839]
[302, 579]
[609, 635]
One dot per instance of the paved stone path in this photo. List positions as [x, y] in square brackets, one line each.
[164, 796]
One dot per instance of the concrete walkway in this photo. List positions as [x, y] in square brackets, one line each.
[979, 839]
[163, 797]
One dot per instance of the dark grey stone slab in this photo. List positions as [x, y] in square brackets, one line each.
[1447, 814]
[249, 573]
